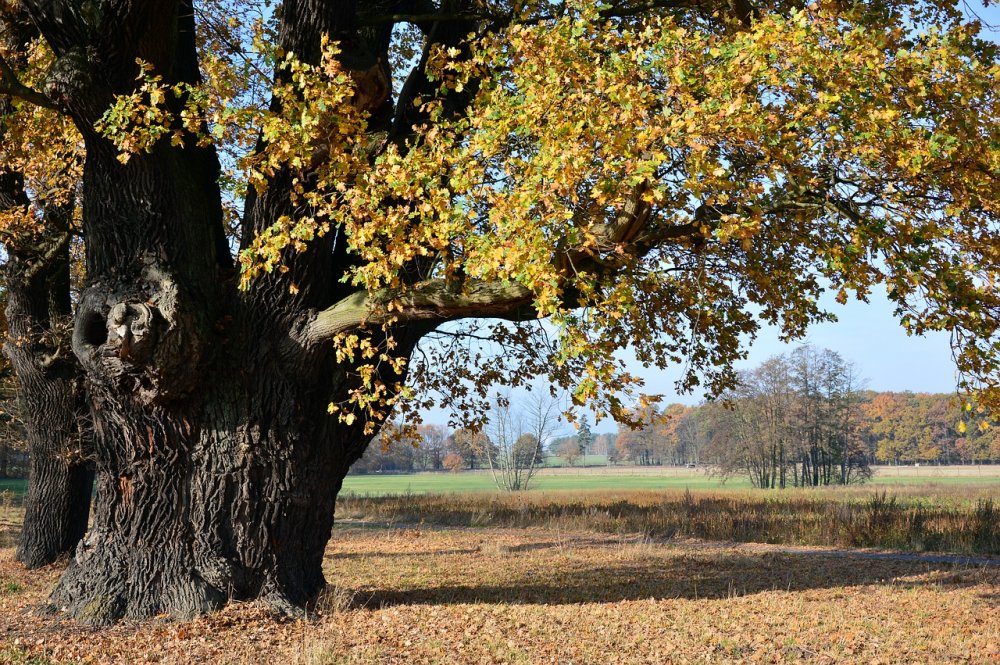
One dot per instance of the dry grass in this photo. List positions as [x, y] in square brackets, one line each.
[410, 595]
[970, 471]
[962, 519]
[560, 577]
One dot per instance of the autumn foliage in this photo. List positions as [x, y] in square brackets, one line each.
[650, 179]
[297, 224]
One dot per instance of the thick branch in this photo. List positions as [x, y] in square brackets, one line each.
[11, 85]
[51, 253]
[495, 19]
[438, 300]
[433, 300]
[626, 225]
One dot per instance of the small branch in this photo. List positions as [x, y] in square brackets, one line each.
[11, 85]
[45, 260]
[392, 19]
[207, 20]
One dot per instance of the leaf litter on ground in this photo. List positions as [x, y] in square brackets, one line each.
[421, 595]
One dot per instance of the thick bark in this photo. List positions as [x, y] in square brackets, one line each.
[51, 406]
[227, 495]
[224, 491]
[57, 508]
[217, 463]
[50, 391]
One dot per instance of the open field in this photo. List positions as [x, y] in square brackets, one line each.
[628, 477]
[631, 477]
[948, 518]
[591, 478]
[542, 596]
[912, 509]
[13, 485]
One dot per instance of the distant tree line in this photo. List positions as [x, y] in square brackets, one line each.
[800, 419]
[436, 448]
[794, 420]
[803, 419]
[574, 449]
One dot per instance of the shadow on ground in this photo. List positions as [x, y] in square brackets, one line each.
[604, 571]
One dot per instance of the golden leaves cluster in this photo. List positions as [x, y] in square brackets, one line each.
[43, 147]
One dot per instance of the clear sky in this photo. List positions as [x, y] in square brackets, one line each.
[866, 334]
[869, 334]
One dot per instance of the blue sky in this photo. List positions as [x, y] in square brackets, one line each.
[867, 334]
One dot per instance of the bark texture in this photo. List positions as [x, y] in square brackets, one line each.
[217, 463]
[50, 402]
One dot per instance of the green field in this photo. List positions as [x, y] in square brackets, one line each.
[630, 478]
[16, 486]
[623, 478]
[588, 479]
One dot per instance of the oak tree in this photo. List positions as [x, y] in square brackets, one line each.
[663, 175]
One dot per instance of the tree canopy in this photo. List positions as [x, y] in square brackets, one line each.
[654, 175]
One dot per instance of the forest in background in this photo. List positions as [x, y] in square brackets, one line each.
[890, 428]
[799, 419]
[804, 419]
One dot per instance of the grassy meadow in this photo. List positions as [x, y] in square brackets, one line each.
[652, 478]
[547, 479]
[962, 521]
[599, 477]
[13, 486]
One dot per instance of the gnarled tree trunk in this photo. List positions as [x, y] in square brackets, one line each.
[226, 492]
[217, 461]
[50, 400]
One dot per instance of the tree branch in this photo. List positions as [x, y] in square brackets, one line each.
[432, 300]
[622, 10]
[45, 258]
[11, 85]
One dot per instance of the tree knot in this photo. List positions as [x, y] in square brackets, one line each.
[68, 75]
[132, 331]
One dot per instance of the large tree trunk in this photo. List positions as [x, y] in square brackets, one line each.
[217, 462]
[50, 390]
[226, 494]
[57, 506]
